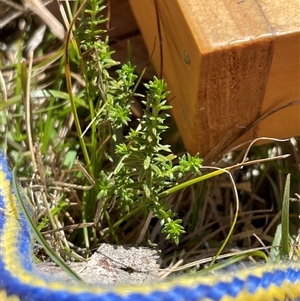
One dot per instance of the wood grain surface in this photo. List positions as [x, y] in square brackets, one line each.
[227, 63]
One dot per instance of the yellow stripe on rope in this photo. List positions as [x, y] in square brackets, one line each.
[4, 297]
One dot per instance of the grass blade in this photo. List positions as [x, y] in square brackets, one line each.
[285, 217]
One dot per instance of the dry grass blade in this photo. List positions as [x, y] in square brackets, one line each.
[236, 134]
[195, 263]
[55, 26]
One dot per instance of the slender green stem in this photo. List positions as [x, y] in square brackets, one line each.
[74, 111]
[190, 182]
[216, 173]
[285, 218]
[69, 86]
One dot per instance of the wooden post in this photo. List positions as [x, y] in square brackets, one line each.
[227, 63]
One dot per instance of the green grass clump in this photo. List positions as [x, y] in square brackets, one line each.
[121, 170]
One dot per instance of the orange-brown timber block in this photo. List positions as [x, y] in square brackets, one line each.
[228, 63]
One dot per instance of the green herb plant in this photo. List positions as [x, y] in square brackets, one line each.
[132, 169]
